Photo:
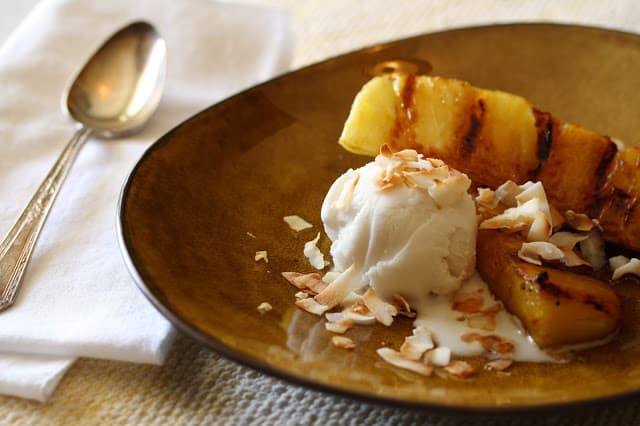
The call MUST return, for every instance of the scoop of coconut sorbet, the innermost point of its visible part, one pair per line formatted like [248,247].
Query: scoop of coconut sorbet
[405,222]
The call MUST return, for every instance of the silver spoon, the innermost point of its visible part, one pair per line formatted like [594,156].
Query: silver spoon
[114,94]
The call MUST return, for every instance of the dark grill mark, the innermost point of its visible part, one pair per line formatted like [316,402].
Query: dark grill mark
[544,129]
[477,116]
[595,304]
[604,163]
[407,99]
[603,191]
[620,200]
[403,134]
[542,279]
[628,211]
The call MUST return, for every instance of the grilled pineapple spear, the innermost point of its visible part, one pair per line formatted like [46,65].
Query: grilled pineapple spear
[494,136]
[556,307]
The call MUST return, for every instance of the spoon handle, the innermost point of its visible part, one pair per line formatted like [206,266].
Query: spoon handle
[16,249]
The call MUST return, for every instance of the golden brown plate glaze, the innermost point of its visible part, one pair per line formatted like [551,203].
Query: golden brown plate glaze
[271,151]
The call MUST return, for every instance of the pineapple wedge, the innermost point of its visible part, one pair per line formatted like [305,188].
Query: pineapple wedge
[556,307]
[494,136]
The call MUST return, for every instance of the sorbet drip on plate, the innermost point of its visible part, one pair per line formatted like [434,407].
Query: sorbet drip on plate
[450,326]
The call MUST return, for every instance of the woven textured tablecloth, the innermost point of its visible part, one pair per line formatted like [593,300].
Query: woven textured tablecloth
[197,386]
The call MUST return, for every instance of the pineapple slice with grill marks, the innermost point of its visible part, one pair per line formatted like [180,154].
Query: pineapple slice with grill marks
[494,136]
[557,307]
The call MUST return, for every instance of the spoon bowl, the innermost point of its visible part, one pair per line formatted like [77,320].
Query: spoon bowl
[115,93]
[120,87]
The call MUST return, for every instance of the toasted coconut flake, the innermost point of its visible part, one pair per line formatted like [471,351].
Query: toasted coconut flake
[540,229]
[440,356]
[330,276]
[490,343]
[313,253]
[297,223]
[383,311]
[556,218]
[470,305]
[493,309]
[567,240]
[337,327]
[342,342]
[572,259]
[409,168]
[498,364]
[251,235]
[507,192]
[407,155]
[486,197]
[617,261]
[344,284]
[534,251]
[456,185]
[264,307]
[335,316]
[528,210]
[403,306]
[592,249]
[292,277]
[262,255]
[351,298]
[360,307]
[312,306]
[578,221]
[348,315]
[416,345]
[631,267]
[460,368]
[337,322]
[483,321]
[535,191]
[308,282]
[397,359]
[514,218]
[301,295]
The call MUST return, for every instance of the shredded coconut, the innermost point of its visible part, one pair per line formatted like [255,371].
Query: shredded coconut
[312,306]
[262,255]
[440,356]
[416,345]
[383,311]
[297,223]
[630,267]
[534,251]
[397,359]
[342,342]
[460,368]
[498,364]
[313,253]
[264,307]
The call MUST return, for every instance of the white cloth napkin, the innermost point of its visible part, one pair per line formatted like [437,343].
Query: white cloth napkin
[77,297]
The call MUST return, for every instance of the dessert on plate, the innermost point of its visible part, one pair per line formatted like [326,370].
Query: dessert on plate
[482,218]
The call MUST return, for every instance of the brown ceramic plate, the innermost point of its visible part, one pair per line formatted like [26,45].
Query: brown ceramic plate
[271,151]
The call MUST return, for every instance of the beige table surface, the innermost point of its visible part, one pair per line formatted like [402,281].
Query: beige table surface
[196,386]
